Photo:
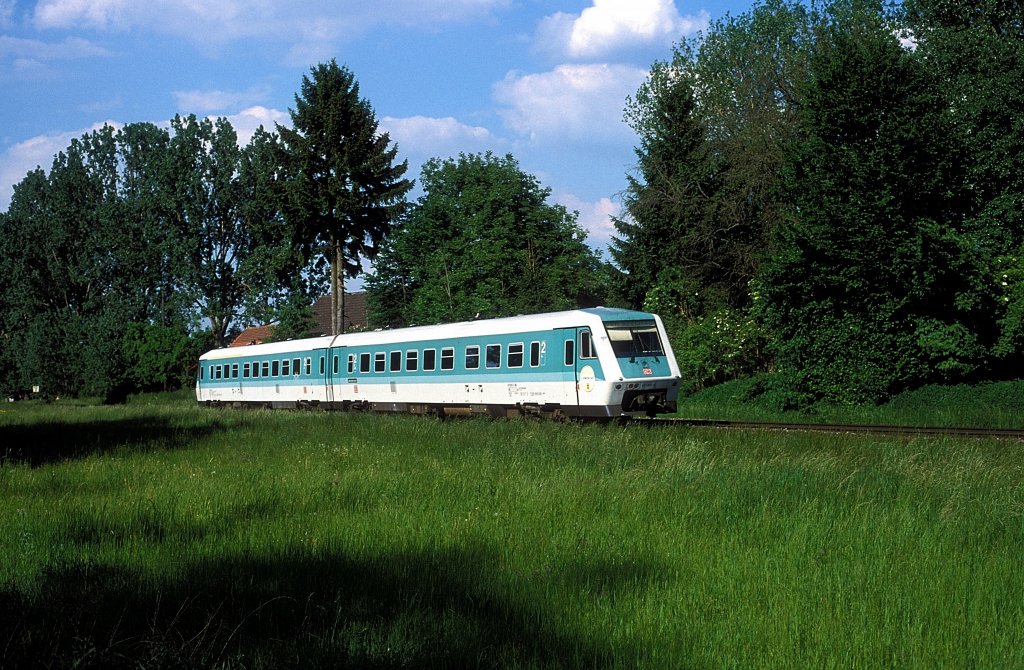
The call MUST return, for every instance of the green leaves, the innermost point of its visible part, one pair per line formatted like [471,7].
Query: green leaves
[343,187]
[870,189]
[482,239]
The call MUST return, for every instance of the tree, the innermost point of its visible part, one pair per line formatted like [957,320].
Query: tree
[133,240]
[744,78]
[345,189]
[482,240]
[873,288]
[977,51]
[273,272]
[67,301]
[670,240]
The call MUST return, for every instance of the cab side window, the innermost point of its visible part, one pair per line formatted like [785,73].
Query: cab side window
[587,345]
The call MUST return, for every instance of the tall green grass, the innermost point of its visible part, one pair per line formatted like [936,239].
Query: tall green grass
[162,535]
[992,405]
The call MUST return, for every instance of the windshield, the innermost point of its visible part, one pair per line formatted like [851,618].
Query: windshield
[634,338]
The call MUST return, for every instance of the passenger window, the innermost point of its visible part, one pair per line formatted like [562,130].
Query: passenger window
[234,370]
[472,357]
[379,360]
[537,354]
[570,352]
[256,370]
[515,355]
[275,368]
[586,345]
[266,368]
[429,359]
[396,361]
[493,356]
[448,358]
[246,369]
[286,368]
[412,360]
[309,366]
[364,362]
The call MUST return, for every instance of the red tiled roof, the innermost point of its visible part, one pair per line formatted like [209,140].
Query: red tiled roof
[253,335]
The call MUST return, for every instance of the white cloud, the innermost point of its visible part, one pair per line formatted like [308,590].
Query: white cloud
[609,26]
[6,12]
[70,48]
[581,103]
[420,138]
[124,14]
[199,102]
[35,152]
[907,39]
[595,217]
[311,25]
[428,136]
[247,121]
[83,14]
[29,59]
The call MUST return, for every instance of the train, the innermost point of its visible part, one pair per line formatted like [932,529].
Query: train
[595,363]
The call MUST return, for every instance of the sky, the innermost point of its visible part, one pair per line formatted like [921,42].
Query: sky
[546,81]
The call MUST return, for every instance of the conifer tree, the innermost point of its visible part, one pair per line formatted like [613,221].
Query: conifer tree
[345,188]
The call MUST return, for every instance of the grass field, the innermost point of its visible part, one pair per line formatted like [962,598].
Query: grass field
[991,405]
[163,535]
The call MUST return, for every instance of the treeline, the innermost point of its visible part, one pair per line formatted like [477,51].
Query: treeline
[136,251]
[144,246]
[827,196]
[833,194]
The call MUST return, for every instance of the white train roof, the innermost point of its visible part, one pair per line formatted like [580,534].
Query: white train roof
[507,325]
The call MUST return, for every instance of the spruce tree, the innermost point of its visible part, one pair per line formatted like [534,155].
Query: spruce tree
[345,188]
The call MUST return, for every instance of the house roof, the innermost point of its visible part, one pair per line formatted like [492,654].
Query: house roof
[253,335]
[355,316]
[355,320]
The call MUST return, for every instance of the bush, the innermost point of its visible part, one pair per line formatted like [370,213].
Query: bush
[726,344]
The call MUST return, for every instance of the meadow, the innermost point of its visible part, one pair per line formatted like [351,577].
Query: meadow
[159,534]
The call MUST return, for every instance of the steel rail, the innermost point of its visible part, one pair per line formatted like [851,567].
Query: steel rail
[867,429]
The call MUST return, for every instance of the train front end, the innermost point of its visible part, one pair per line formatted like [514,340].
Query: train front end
[649,376]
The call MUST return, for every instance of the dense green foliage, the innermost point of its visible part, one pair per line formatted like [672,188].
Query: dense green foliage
[170,536]
[984,405]
[143,246]
[135,240]
[344,188]
[482,240]
[873,287]
[858,198]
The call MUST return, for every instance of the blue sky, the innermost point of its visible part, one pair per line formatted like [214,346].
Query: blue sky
[544,80]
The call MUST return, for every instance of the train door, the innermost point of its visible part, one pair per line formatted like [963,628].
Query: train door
[570,387]
[586,368]
[332,372]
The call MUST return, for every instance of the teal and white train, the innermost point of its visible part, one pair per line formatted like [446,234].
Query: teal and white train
[597,363]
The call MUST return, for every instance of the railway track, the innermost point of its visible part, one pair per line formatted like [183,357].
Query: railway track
[899,431]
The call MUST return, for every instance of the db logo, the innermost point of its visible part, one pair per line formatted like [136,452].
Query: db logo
[648,371]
